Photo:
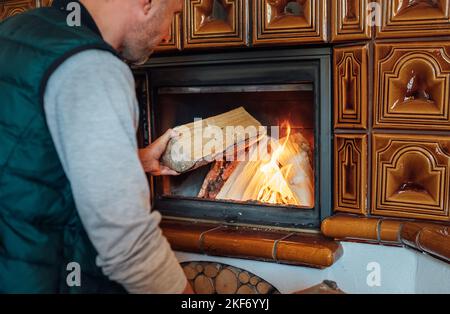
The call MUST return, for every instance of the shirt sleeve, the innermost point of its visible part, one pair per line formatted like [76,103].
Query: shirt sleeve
[91,111]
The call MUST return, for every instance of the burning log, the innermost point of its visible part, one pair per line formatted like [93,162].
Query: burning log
[216,178]
[234,187]
[300,176]
[283,177]
[204,141]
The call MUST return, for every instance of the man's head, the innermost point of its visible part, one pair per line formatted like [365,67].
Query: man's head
[134,27]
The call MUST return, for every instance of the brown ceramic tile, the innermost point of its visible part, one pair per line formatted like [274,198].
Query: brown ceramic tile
[350,173]
[204,30]
[412,85]
[350,227]
[184,236]
[351,86]
[252,243]
[389,230]
[348,20]
[435,241]
[241,242]
[411,176]
[174,42]
[307,249]
[272,24]
[401,18]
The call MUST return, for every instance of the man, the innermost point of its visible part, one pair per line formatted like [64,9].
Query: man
[74,200]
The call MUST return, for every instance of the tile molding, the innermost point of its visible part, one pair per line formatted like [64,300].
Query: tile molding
[283,247]
[426,237]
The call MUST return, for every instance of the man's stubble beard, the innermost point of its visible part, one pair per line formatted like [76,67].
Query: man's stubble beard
[136,49]
[136,55]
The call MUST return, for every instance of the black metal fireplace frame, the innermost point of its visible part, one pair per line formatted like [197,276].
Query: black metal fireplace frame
[285,66]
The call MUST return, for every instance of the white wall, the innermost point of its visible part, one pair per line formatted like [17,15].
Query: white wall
[433,276]
[396,270]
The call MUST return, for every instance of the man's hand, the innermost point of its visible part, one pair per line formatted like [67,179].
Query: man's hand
[151,155]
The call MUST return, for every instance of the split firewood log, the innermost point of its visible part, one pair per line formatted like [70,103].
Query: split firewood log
[211,139]
[289,181]
[241,178]
[300,175]
[216,178]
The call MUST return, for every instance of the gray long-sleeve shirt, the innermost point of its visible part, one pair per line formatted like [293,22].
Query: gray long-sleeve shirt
[92,114]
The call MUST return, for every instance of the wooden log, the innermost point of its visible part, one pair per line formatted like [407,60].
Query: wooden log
[199,268]
[244,277]
[263,287]
[190,272]
[216,178]
[295,160]
[226,282]
[203,285]
[212,270]
[291,183]
[254,280]
[235,270]
[236,185]
[202,142]
[246,289]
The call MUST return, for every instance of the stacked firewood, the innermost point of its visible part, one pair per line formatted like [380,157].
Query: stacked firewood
[215,278]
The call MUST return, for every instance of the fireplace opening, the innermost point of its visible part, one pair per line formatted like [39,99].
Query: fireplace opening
[276,169]
[287,93]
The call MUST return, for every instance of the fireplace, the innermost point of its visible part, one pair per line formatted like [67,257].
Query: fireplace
[287,95]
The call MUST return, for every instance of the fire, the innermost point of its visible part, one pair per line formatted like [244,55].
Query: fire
[283,176]
[275,189]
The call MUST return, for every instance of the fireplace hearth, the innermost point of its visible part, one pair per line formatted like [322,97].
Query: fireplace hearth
[287,92]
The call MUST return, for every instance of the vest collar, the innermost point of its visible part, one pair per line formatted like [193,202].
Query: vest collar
[86,18]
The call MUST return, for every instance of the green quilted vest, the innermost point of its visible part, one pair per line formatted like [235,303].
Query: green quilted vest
[40,230]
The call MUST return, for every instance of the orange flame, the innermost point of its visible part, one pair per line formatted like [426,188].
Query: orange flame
[276,189]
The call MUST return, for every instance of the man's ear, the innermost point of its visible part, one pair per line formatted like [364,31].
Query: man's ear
[145,5]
